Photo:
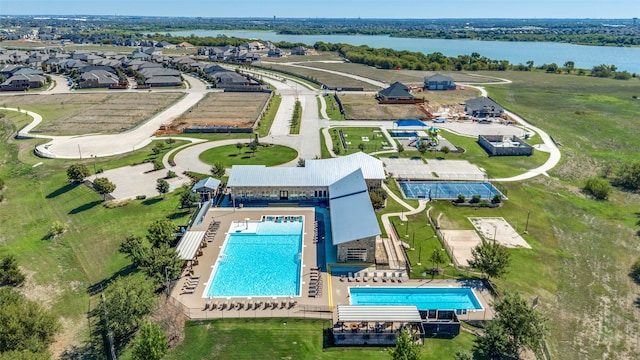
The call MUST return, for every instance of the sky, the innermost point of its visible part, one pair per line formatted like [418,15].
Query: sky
[426,9]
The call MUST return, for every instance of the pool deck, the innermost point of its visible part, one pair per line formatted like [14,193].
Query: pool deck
[334,290]
[193,304]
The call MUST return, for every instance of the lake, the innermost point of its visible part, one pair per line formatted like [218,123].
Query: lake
[515,52]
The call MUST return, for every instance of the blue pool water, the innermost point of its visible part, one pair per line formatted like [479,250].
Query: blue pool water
[422,298]
[447,189]
[400,133]
[265,261]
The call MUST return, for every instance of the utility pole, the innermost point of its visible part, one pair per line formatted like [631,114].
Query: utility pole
[526,227]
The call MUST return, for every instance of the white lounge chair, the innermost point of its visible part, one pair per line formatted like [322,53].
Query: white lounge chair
[399,278]
[393,277]
[365,277]
[375,276]
[350,277]
[384,277]
[357,277]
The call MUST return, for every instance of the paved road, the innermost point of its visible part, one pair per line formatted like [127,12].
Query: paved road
[379,84]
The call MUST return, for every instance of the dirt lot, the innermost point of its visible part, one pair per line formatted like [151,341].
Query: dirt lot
[87,113]
[232,108]
[366,107]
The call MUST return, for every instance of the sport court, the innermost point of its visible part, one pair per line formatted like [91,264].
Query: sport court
[447,190]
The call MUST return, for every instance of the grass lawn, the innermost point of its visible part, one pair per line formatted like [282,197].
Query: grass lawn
[365,139]
[264,125]
[297,339]
[333,111]
[229,155]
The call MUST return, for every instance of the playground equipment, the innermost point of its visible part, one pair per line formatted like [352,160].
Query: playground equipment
[433,137]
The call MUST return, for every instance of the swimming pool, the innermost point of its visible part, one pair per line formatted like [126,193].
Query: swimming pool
[400,133]
[259,259]
[422,298]
[448,189]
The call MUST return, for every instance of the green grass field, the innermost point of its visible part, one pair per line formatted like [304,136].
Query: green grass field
[354,139]
[287,339]
[229,155]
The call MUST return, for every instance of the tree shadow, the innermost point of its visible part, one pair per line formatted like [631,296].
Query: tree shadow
[151,201]
[85,207]
[178,215]
[62,190]
[101,285]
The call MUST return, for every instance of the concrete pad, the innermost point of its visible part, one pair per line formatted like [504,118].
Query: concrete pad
[459,243]
[132,181]
[443,170]
[498,229]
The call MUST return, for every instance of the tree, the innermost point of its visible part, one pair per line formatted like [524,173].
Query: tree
[127,301]
[569,66]
[361,147]
[462,355]
[301,162]
[134,249]
[635,271]
[10,274]
[103,186]
[239,146]
[57,228]
[336,149]
[161,263]
[406,348]
[627,175]
[218,170]
[188,198]
[423,147]
[24,355]
[77,172]
[516,326]
[445,150]
[150,343]
[162,186]
[598,187]
[254,147]
[162,231]
[437,258]
[25,324]
[491,258]
[376,200]
[497,199]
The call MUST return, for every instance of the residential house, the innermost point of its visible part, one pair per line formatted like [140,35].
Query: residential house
[23,82]
[482,108]
[395,92]
[158,81]
[299,50]
[439,82]
[98,79]
[276,52]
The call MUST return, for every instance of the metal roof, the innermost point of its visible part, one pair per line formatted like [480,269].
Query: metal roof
[206,184]
[352,215]
[351,313]
[315,172]
[189,244]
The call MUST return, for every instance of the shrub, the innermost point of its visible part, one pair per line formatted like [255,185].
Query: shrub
[157,165]
[116,204]
[597,187]
[635,271]
[171,174]
[475,199]
[9,272]
[497,199]
[141,197]
[57,228]
[460,199]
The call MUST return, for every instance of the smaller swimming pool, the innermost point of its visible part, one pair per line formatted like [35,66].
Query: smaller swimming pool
[423,298]
[402,134]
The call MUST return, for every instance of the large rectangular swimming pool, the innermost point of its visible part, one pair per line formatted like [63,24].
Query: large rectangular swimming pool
[258,259]
[423,298]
